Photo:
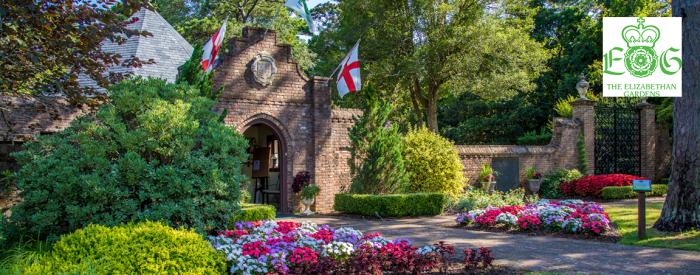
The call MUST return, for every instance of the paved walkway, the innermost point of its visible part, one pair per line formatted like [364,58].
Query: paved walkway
[533,253]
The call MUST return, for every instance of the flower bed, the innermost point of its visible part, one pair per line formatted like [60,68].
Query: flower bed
[592,185]
[568,216]
[305,248]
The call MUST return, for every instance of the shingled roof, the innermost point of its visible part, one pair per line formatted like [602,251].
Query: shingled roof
[166,47]
[23,117]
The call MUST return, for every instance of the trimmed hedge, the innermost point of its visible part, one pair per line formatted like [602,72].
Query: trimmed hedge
[394,205]
[145,248]
[254,212]
[626,192]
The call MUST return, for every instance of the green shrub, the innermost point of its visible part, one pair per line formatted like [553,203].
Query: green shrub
[156,151]
[563,107]
[475,199]
[551,181]
[664,181]
[532,138]
[433,164]
[254,212]
[147,247]
[394,205]
[626,192]
[376,163]
[310,191]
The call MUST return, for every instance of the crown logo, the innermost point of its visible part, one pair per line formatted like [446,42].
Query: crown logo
[640,35]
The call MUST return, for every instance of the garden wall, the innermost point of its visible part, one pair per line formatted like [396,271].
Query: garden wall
[559,153]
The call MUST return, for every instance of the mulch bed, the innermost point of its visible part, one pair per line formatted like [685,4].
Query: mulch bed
[611,236]
[457,268]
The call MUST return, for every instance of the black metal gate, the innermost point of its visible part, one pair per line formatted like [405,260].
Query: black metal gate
[617,140]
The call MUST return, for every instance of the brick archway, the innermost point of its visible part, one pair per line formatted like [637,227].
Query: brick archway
[286,152]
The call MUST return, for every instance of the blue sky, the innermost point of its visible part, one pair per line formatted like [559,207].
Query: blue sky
[313,3]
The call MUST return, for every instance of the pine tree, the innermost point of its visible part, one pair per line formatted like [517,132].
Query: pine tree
[377,164]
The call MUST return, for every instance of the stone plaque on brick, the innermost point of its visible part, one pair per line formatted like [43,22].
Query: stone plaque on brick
[264,68]
[507,177]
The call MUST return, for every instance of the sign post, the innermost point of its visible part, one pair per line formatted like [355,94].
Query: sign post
[641,186]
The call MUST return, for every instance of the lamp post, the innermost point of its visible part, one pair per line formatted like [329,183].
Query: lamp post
[582,87]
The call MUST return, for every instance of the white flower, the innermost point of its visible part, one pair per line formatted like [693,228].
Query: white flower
[338,249]
[426,250]
[506,218]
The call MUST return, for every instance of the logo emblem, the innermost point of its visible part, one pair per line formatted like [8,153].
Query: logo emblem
[640,58]
[263,68]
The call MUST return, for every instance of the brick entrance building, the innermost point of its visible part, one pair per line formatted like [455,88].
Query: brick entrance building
[263,88]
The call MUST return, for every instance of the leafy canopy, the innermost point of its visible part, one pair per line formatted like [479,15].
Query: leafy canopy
[156,151]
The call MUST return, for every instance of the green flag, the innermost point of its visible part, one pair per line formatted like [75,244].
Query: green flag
[301,9]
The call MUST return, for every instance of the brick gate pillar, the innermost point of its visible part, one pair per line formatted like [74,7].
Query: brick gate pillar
[647,139]
[584,110]
[323,171]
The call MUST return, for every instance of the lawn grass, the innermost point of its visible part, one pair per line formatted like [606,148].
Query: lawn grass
[625,217]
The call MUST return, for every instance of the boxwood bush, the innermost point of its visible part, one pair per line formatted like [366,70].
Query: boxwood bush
[254,212]
[156,151]
[551,181]
[145,248]
[393,205]
[433,164]
[626,192]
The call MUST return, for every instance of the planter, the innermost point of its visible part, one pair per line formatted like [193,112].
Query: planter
[534,185]
[488,186]
[307,206]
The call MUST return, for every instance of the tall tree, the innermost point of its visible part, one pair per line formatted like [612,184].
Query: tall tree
[429,48]
[681,210]
[377,164]
[46,44]
[204,17]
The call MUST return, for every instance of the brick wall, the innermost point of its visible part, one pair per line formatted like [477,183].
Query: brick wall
[559,153]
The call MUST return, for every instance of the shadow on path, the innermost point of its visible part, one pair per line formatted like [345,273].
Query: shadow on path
[535,253]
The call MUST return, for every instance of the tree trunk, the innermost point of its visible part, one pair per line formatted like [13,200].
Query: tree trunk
[682,207]
[431,109]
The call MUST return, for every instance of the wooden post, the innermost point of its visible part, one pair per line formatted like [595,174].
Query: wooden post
[641,215]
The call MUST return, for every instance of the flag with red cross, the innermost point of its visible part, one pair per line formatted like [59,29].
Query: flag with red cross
[348,80]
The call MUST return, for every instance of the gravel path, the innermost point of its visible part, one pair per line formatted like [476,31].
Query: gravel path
[534,253]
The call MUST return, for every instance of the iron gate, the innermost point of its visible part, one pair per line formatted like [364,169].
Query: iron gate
[617,140]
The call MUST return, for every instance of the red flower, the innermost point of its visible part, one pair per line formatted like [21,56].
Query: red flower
[255,249]
[528,222]
[592,185]
[285,227]
[325,235]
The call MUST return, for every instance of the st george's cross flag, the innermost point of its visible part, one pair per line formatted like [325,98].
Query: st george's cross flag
[302,10]
[349,80]
[211,49]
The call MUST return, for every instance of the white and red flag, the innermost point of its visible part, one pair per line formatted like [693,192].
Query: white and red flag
[349,80]
[211,49]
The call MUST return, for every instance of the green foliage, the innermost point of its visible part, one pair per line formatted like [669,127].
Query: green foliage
[475,199]
[626,192]
[156,151]
[582,162]
[253,212]
[394,205]
[377,164]
[551,181]
[17,258]
[147,247]
[191,73]
[563,107]
[45,45]
[6,181]
[532,138]
[433,164]
[310,191]
[422,52]
[204,18]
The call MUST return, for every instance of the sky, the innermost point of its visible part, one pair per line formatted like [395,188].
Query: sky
[313,3]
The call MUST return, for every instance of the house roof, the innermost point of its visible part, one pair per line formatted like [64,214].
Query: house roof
[165,46]
[23,117]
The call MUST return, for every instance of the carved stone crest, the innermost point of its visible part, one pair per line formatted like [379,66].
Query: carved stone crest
[263,68]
